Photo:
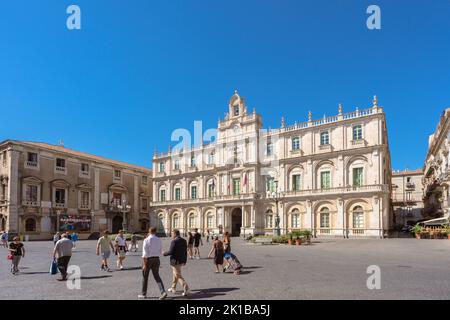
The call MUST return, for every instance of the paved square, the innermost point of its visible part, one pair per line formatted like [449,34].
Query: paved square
[327,269]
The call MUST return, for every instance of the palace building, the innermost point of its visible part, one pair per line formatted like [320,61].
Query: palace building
[46,188]
[331,175]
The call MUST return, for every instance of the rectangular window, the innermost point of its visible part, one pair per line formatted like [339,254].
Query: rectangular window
[32,157]
[325,180]
[358,177]
[117,198]
[324,220]
[177,165]
[295,220]
[162,196]
[193,163]
[84,198]
[84,168]
[32,193]
[4,159]
[209,222]
[324,138]
[194,192]
[177,194]
[211,158]
[357,132]
[60,196]
[358,220]
[60,163]
[144,204]
[269,148]
[296,143]
[296,182]
[117,174]
[269,221]
[270,184]
[144,180]
[162,167]
[408,196]
[236,186]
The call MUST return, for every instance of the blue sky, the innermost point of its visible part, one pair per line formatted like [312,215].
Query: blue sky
[139,69]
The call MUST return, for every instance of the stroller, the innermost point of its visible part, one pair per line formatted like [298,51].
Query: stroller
[233,263]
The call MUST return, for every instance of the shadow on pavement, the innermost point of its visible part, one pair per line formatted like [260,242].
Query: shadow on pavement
[204,293]
[94,277]
[36,272]
[253,267]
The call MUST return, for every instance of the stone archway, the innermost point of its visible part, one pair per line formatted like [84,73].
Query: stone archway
[236,222]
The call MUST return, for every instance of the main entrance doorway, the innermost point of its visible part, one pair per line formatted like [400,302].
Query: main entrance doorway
[236,222]
[117,224]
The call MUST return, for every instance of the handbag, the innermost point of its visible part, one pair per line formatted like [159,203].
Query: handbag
[54,267]
[9,256]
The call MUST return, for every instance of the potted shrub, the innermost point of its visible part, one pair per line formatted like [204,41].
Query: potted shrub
[298,241]
[307,234]
[417,229]
[290,239]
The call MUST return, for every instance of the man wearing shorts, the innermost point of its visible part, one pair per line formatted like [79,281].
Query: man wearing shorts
[104,245]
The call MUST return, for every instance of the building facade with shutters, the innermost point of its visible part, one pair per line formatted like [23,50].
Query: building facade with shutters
[330,175]
[46,188]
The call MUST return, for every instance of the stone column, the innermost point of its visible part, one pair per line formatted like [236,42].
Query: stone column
[340,219]
[96,189]
[13,193]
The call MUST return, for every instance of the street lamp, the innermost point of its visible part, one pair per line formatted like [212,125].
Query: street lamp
[124,209]
[277,196]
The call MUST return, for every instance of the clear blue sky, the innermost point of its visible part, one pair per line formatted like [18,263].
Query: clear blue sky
[139,69]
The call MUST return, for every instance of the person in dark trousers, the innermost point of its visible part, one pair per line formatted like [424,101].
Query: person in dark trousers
[178,258]
[18,251]
[151,251]
[207,236]
[63,249]
[190,245]
[197,242]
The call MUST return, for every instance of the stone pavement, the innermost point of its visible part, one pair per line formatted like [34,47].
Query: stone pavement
[327,269]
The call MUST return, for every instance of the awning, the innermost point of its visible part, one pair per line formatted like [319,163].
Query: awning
[435,222]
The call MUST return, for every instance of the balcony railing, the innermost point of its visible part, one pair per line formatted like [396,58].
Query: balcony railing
[33,164]
[84,206]
[31,203]
[325,147]
[60,169]
[338,190]
[359,142]
[243,196]
[59,205]
[410,185]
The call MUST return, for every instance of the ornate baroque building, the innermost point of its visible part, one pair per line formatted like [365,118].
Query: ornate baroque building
[436,180]
[330,175]
[45,188]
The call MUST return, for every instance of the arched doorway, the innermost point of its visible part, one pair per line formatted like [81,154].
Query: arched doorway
[117,224]
[236,222]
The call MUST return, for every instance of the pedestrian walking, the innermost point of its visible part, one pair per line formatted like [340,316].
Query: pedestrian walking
[227,242]
[151,251]
[134,245]
[4,239]
[207,236]
[197,242]
[56,238]
[178,258]
[218,250]
[190,247]
[121,249]
[63,249]
[74,240]
[17,250]
[104,244]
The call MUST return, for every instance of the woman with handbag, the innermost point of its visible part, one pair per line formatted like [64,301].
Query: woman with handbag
[17,251]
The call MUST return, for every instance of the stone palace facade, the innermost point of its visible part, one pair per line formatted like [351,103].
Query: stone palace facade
[330,175]
[45,188]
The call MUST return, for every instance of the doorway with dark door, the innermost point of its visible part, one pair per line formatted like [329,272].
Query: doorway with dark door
[236,222]
[117,224]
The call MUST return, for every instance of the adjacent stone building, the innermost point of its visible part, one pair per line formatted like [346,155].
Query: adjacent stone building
[45,188]
[331,175]
[436,180]
[407,197]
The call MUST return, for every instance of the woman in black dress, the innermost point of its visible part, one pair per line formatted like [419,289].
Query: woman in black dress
[219,251]
[190,246]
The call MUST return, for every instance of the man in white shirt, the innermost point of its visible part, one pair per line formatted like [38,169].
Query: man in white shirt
[151,251]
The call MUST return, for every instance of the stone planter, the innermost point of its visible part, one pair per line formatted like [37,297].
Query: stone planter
[418,236]
[290,242]
[298,242]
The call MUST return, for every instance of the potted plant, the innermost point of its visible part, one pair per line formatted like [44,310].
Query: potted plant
[298,241]
[417,229]
[307,234]
[290,239]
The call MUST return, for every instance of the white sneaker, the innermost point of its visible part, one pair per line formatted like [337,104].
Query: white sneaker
[163,296]
[141,296]
[186,293]
[173,290]
[121,267]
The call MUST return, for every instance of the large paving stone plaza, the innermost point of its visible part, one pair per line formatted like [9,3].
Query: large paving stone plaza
[327,269]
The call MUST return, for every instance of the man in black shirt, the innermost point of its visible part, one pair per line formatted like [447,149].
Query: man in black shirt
[197,242]
[178,258]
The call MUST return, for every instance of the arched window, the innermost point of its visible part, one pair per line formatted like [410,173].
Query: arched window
[160,223]
[175,220]
[269,219]
[30,225]
[191,220]
[295,219]
[358,217]
[324,218]
[210,220]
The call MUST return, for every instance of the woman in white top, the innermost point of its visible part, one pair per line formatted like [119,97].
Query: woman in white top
[121,249]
